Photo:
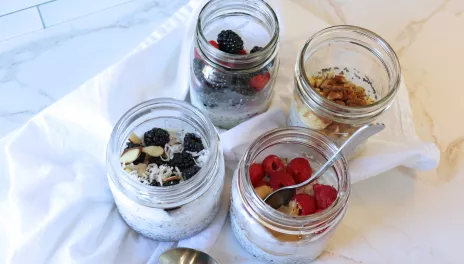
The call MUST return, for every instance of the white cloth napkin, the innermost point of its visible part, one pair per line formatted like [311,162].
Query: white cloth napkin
[59,207]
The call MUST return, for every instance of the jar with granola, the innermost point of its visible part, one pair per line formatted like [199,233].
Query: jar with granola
[345,77]
[234,60]
[297,232]
[165,169]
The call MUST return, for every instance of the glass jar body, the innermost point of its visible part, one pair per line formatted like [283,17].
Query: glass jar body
[167,213]
[232,88]
[364,59]
[271,236]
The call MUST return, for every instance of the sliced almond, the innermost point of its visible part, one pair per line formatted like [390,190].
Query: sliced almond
[172,178]
[141,168]
[135,139]
[263,191]
[154,151]
[130,155]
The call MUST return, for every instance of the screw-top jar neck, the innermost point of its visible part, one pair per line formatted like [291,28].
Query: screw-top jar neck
[348,43]
[163,111]
[257,11]
[274,219]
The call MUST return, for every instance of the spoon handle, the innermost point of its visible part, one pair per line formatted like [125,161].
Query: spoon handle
[346,148]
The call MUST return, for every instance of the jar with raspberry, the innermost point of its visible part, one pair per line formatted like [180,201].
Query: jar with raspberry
[297,232]
[234,60]
[345,77]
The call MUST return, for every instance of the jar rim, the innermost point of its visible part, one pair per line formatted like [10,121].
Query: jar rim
[330,109]
[279,221]
[240,62]
[159,196]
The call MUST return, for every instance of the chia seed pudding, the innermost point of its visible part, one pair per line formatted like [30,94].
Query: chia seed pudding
[233,67]
[168,178]
[297,232]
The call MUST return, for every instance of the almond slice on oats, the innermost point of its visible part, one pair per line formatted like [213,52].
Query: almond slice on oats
[130,155]
[141,168]
[171,178]
[154,151]
[134,138]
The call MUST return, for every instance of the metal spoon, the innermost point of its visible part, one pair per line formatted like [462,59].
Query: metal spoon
[185,256]
[283,195]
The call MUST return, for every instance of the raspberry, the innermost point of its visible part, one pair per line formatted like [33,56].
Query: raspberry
[280,179]
[272,163]
[156,137]
[259,81]
[182,160]
[306,203]
[242,52]
[325,195]
[230,42]
[255,49]
[300,169]
[261,183]
[214,44]
[193,143]
[256,174]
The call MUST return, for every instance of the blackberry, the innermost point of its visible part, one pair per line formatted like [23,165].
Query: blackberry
[198,66]
[158,161]
[256,49]
[170,183]
[182,160]
[189,172]
[193,143]
[218,80]
[156,137]
[230,42]
[241,85]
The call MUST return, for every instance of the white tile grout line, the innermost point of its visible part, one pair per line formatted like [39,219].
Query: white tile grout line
[41,19]
[19,10]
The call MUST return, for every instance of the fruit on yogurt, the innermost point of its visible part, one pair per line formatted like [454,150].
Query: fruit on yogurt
[279,179]
[162,158]
[306,203]
[256,174]
[325,195]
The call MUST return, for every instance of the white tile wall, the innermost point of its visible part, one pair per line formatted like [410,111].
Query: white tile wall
[20,23]
[63,10]
[10,6]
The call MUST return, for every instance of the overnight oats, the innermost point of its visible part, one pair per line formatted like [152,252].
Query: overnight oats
[234,60]
[299,231]
[345,77]
[165,169]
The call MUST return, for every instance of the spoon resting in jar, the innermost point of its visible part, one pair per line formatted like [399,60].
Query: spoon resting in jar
[283,195]
[185,256]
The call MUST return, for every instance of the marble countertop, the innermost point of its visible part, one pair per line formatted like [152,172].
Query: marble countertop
[413,218]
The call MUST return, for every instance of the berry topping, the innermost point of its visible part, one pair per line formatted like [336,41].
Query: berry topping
[156,137]
[182,160]
[230,42]
[272,163]
[306,203]
[280,179]
[259,81]
[325,195]
[214,44]
[189,172]
[256,174]
[255,49]
[300,169]
[193,143]
[242,52]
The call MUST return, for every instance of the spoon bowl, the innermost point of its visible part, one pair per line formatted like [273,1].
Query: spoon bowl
[185,256]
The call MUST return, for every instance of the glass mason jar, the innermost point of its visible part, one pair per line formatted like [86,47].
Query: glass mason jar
[257,226]
[168,213]
[231,88]
[364,59]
